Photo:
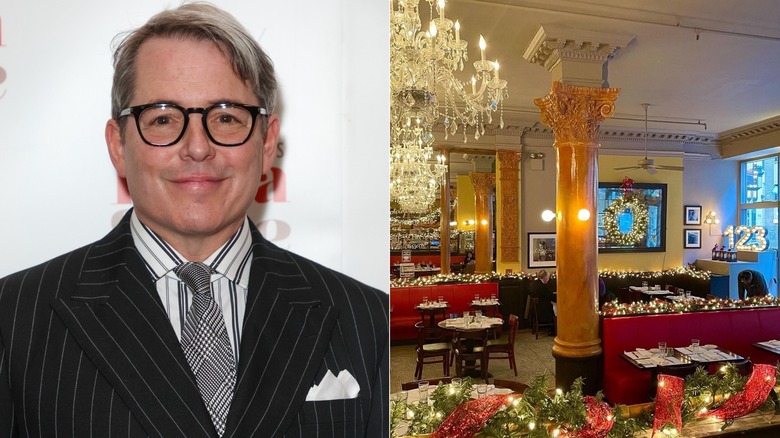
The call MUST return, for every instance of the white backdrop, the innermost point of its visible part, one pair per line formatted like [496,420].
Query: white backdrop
[329,202]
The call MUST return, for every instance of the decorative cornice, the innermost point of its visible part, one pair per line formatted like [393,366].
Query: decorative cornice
[768,126]
[553,43]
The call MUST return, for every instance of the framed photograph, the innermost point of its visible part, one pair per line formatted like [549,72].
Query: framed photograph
[541,250]
[692,215]
[692,238]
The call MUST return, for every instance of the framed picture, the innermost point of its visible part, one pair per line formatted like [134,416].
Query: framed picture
[692,238]
[541,250]
[692,215]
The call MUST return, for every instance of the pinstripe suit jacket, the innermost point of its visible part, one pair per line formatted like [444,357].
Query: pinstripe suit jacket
[86,349]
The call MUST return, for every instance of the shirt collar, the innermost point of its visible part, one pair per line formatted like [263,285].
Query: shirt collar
[231,260]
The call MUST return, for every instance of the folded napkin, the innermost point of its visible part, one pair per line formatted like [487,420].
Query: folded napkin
[334,388]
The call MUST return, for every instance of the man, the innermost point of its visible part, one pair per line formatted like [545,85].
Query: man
[751,284]
[184,321]
[543,289]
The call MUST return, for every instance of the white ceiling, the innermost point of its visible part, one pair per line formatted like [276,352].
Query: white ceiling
[726,79]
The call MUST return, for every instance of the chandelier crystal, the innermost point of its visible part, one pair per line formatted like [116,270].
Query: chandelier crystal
[424,88]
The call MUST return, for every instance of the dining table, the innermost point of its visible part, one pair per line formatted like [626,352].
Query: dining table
[772,346]
[470,324]
[488,306]
[429,310]
[704,355]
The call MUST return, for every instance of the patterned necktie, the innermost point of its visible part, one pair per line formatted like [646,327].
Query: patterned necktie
[205,342]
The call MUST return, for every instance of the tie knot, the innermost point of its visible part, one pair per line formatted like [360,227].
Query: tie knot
[196,275]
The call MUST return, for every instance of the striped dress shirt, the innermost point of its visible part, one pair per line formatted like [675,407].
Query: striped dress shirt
[230,264]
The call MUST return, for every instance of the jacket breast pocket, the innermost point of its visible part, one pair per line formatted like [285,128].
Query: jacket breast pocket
[331,418]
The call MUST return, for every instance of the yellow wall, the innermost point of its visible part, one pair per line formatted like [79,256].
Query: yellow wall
[466,202]
[649,261]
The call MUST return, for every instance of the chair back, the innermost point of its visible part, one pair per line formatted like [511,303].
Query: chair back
[478,338]
[427,334]
[407,386]
[516,387]
[514,323]
[623,296]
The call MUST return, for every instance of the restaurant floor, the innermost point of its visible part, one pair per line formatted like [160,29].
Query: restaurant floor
[533,358]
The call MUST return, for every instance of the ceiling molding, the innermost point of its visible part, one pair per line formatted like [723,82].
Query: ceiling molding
[767,126]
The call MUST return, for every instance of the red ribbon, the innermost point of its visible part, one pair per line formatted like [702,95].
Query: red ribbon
[627,185]
[668,402]
[753,395]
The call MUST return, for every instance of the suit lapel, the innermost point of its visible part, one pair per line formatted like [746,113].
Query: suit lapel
[286,332]
[116,317]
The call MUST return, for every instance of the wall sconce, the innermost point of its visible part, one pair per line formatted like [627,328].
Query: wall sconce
[712,219]
[454,223]
[583,214]
[548,215]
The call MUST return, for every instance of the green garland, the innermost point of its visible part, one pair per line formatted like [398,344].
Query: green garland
[539,410]
[638,228]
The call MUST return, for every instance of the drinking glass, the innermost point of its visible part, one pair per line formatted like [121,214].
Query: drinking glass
[481,390]
[662,348]
[644,284]
[695,344]
[441,299]
[425,301]
[423,388]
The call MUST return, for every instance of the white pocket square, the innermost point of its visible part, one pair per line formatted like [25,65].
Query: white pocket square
[334,388]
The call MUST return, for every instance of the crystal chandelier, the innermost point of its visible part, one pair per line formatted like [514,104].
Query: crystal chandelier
[423,87]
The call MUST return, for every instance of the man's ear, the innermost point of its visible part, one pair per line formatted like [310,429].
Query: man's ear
[116,147]
[270,143]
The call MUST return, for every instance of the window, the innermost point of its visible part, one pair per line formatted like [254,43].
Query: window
[631,220]
[758,196]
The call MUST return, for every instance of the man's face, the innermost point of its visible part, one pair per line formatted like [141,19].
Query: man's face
[194,193]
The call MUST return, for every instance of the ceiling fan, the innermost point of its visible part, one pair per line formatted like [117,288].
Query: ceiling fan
[648,163]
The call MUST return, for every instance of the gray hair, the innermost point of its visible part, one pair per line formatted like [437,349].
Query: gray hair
[201,22]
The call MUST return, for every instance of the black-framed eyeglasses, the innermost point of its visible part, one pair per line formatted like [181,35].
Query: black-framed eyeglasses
[164,124]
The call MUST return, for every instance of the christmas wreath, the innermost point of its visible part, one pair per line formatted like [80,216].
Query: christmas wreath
[638,227]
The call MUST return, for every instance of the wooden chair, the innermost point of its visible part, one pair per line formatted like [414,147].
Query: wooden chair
[431,352]
[516,387]
[623,295]
[535,324]
[470,352]
[634,296]
[504,348]
[407,386]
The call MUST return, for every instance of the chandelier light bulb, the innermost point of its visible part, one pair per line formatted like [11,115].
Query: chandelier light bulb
[495,69]
[457,31]
[482,46]
[548,215]
[433,29]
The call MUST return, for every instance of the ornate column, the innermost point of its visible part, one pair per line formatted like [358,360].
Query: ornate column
[508,217]
[483,240]
[574,113]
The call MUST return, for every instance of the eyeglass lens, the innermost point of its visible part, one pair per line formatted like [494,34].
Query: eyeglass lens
[226,124]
